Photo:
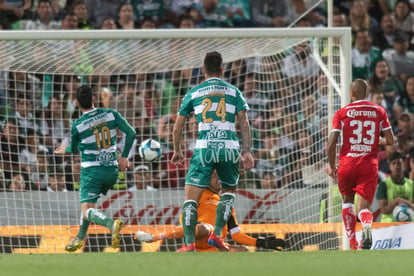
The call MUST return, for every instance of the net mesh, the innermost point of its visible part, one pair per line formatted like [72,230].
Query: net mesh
[292,85]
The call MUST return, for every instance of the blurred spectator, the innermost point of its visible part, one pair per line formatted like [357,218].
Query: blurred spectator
[399,59]
[383,157]
[126,18]
[404,18]
[384,38]
[310,162]
[254,98]
[390,86]
[11,146]
[360,19]
[155,9]
[405,103]
[56,123]
[98,10]
[235,72]
[309,115]
[24,113]
[237,11]
[148,23]
[56,181]
[213,17]
[364,55]
[40,176]
[17,183]
[28,155]
[377,97]
[142,179]
[81,10]
[12,11]
[108,24]
[268,181]
[194,11]
[72,172]
[274,13]
[43,18]
[404,131]
[70,21]
[300,67]
[128,102]
[339,20]
[186,22]
[395,189]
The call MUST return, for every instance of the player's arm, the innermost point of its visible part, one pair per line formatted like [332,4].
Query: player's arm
[244,126]
[178,157]
[332,141]
[73,145]
[270,242]
[129,131]
[388,139]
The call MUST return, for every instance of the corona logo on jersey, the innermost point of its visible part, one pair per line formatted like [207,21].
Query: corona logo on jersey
[352,113]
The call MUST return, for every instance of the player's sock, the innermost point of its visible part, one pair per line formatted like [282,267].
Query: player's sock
[189,219]
[349,219]
[100,218]
[83,228]
[223,212]
[365,216]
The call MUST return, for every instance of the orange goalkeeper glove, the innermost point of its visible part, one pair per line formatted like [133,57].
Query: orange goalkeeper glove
[271,243]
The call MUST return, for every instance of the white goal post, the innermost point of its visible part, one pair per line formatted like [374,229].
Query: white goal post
[293,79]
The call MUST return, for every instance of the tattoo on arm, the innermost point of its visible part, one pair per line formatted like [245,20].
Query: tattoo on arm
[245,132]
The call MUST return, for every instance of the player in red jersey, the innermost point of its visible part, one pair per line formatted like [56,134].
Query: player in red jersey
[361,123]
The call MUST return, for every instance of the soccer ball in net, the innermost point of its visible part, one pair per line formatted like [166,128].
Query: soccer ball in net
[402,213]
[150,150]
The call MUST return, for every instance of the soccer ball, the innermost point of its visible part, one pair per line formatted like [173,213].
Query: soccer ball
[150,150]
[402,213]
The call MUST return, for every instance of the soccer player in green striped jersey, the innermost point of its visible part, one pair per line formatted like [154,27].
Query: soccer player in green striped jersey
[94,135]
[217,105]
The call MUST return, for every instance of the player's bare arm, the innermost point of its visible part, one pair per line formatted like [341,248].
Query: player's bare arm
[178,156]
[246,156]
[123,164]
[332,141]
[388,139]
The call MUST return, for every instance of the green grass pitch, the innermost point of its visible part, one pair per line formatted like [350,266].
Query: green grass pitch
[350,263]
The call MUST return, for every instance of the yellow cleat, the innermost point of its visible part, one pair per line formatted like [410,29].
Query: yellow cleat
[116,228]
[74,245]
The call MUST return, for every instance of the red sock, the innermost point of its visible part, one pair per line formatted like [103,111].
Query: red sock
[365,216]
[349,219]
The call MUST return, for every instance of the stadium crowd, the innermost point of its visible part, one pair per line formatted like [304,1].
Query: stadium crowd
[36,110]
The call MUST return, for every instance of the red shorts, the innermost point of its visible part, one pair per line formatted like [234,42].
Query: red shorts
[361,179]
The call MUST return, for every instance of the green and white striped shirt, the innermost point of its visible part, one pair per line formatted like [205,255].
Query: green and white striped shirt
[94,134]
[215,104]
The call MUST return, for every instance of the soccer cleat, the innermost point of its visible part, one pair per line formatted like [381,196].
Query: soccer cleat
[116,228]
[366,241]
[74,245]
[144,236]
[215,241]
[187,248]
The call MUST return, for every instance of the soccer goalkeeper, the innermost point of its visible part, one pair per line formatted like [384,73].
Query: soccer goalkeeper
[207,216]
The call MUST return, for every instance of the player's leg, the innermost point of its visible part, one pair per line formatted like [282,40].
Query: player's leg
[197,179]
[190,214]
[365,194]
[228,173]
[345,185]
[94,182]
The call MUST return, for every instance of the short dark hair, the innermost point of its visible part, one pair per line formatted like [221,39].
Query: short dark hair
[213,62]
[394,156]
[84,96]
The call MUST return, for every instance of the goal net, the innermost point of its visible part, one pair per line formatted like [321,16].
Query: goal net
[292,79]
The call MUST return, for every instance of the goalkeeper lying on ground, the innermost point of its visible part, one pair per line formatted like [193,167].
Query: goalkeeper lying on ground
[207,217]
